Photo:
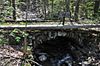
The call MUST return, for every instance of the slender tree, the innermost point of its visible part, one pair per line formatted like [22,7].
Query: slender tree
[67,5]
[45,9]
[96,6]
[68,12]
[14,11]
[77,2]
[52,7]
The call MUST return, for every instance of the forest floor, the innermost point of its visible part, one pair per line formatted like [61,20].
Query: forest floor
[10,56]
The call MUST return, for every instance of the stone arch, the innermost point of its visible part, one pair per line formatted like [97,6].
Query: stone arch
[48,35]
[67,42]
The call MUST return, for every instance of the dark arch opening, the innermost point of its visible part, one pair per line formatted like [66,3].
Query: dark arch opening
[59,45]
[57,48]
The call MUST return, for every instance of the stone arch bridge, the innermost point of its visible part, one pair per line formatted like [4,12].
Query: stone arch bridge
[81,40]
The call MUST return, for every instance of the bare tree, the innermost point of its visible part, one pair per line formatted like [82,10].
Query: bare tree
[52,7]
[14,10]
[45,2]
[77,2]
[68,12]
[67,5]
[96,6]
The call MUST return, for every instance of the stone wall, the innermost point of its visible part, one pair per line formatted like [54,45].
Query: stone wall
[87,42]
[79,35]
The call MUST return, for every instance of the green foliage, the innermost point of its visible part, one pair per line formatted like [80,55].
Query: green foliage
[53,7]
[6,10]
[58,5]
[18,34]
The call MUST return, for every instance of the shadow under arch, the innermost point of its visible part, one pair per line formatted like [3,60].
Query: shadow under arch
[60,45]
[57,48]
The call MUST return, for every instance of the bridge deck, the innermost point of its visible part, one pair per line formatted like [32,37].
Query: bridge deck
[54,27]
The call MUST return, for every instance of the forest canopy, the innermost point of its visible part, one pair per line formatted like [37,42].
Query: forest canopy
[74,10]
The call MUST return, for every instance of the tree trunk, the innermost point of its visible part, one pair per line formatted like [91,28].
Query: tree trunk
[14,11]
[52,7]
[45,5]
[67,5]
[96,6]
[77,2]
[68,12]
